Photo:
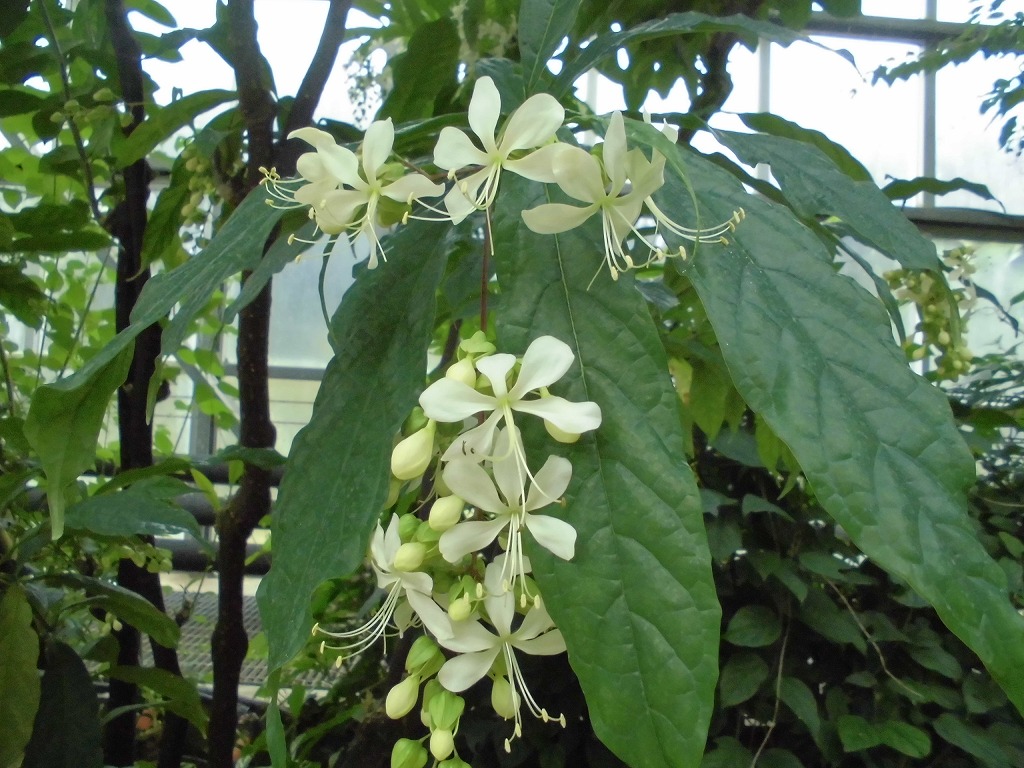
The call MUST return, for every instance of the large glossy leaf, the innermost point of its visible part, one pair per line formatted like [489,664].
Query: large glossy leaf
[65,417]
[337,475]
[19,679]
[637,603]
[542,25]
[812,353]
[67,725]
[814,185]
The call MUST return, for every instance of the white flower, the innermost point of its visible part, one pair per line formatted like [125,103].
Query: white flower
[345,190]
[545,362]
[530,126]
[479,647]
[603,186]
[512,508]
[414,586]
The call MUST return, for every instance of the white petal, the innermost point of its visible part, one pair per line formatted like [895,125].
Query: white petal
[310,167]
[377,143]
[532,124]
[412,187]
[566,415]
[578,173]
[548,644]
[556,536]
[476,443]
[508,474]
[484,109]
[434,619]
[549,483]
[314,193]
[456,201]
[538,165]
[313,136]
[501,609]
[554,218]
[459,673]
[455,150]
[496,368]
[470,482]
[341,205]
[614,152]
[342,164]
[470,536]
[450,400]
[536,622]
[546,360]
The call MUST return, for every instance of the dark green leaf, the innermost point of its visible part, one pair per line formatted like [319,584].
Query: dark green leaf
[181,696]
[795,694]
[21,296]
[779,758]
[265,458]
[542,25]
[67,726]
[18,102]
[856,733]
[813,354]
[972,740]
[753,626]
[64,419]
[742,676]
[19,679]
[647,573]
[728,753]
[903,189]
[337,474]
[936,659]
[764,122]
[828,620]
[508,79]
[426,68]
[814,185]
[147,507]
[905,738]
[124,604]
[161,122]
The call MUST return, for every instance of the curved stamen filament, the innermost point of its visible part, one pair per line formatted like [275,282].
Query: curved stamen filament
[369,632]
[518,683]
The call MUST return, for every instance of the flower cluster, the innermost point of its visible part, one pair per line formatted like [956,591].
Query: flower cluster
[355,195]
[456,565]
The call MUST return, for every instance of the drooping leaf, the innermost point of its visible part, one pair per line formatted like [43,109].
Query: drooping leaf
[162,122]
[19,679]
[765,122]
[641,570]
[812,353]
[542,25]
[147,507]
[337,474]
[905,738]
[67,725]
[972,740]
[181,696]
[123,603]
[903,189]
[814,185]
[742,677]
[795,694]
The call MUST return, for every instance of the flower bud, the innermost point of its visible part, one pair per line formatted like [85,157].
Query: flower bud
[462,371]
[445,512]
[394,491]
[503,698]
[445,710]
[103,94]
[407,527]
[408,753]
[461,609]
[455,762]
[423,651]
[411,456]
[442,743]
[477,344]
[402,698]
[409,556]
[430,690]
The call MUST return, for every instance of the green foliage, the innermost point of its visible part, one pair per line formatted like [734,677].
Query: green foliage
[18,677]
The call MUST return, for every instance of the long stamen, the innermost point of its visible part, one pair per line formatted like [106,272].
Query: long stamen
[369,632]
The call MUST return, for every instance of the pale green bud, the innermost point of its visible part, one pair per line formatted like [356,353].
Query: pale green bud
[407,527]
[423,651]
[71,106]
[560,435]
[410,556]
[445,512]
[411,456]
[402,698]
[408,753]
[103,94]
[445,710]
[503,698]
[477,344]
[944,338]
[426,535]
[442,743]
[394,491]
[462,371]
[461,609]
[430,690]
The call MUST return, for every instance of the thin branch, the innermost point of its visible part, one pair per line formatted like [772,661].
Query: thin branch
[778,699]
[870,639]
[8,381]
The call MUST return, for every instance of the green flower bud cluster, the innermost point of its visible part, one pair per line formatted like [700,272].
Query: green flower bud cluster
[942,310]
[201,185]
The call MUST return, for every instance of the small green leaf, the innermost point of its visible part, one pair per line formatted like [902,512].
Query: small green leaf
[181,696]
[972,740]
[67,725]
[753,626]
[857,734]
[742,676]
[19,679]
[795,694]
[728,753]
[828,620]
[337,474]
[123,603]
[905,738]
